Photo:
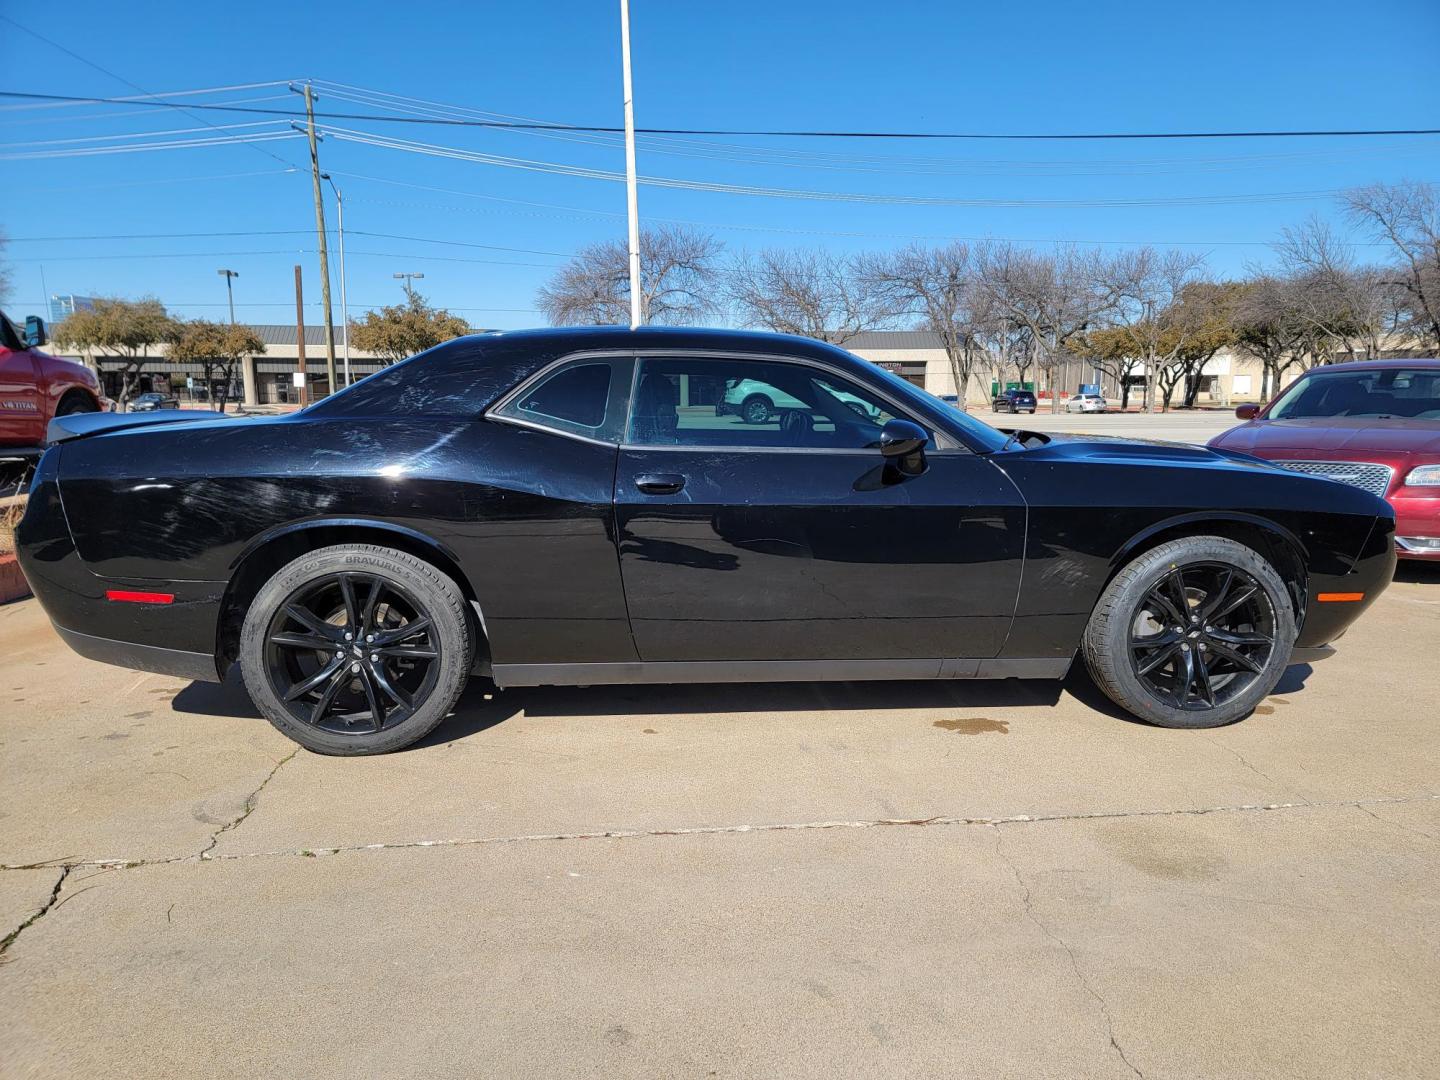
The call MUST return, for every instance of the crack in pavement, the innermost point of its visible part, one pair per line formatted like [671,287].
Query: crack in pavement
[1246,762]
[44,910]
[1394,824]
[1085,983]
[715,830]
[251,801]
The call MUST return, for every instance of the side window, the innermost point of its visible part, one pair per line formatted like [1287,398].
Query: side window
[752,403]
[585,397]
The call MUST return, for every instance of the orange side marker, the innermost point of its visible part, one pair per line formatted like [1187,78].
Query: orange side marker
[1339,597]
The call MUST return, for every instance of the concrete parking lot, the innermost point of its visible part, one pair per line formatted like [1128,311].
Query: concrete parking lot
[969,879]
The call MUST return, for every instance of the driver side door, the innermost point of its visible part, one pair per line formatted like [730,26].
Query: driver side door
[788,539]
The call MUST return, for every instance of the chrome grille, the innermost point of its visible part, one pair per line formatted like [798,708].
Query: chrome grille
[1368,475]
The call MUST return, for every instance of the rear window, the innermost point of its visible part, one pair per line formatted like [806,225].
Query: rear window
[457,379]
[584,397]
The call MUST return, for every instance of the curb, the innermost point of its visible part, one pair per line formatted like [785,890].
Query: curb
[13,585]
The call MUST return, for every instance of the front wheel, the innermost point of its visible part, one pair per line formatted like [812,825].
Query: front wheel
[1192,634]
[76,402]
[356,649]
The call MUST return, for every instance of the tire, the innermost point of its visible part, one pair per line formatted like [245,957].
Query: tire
[422,672]
[757,409]
[74,402]
[1124,634]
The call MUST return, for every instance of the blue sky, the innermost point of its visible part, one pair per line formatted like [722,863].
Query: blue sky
[1045,66]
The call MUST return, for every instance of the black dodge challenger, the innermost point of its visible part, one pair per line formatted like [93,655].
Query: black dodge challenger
[574,507]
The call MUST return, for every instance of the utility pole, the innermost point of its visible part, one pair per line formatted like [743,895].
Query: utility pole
[230,276]
[320,236]
[632,199]
[344,303]
[300,338]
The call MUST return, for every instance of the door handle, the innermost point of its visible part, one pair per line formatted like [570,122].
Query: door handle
[660,483]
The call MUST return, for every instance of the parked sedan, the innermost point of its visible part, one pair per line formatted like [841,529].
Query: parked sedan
[1086,403]
[1374,425]
[1014,401]
[152,401]
[554,507]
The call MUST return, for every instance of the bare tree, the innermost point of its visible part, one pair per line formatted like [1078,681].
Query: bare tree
[1407,216]
[1055,296]
[937,285]
[678,281]
[1343,303]
[809,292]
[5,278]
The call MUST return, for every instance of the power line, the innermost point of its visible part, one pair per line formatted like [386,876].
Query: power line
[747,132]
[281,232]
[120,78]
[276,251]
[554,168]
[47,189]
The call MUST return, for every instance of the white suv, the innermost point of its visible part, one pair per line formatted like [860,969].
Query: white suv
[756,402]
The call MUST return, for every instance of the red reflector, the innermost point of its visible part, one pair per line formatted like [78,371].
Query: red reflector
[139,597]
[1339,597]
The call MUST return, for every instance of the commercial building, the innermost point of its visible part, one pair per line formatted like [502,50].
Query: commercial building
[62,306]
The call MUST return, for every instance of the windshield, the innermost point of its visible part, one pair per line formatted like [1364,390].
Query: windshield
[1376,394]
[984,436]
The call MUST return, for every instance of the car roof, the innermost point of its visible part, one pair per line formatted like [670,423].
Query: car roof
[577,338]
[1380,365]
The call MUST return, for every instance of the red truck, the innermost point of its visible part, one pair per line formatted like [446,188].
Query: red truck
[36,387]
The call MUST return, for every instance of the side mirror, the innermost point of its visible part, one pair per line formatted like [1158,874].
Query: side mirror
[902,444]
[35,335]
[899,438]
[1247,412]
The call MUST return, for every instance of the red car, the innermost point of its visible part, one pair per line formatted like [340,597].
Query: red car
[35,387]
[1373,424]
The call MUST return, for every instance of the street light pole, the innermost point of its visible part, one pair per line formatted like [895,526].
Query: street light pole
[344,303]
[230,276]
[409,285]
[632,199]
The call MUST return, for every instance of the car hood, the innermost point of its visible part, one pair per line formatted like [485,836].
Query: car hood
[1124,449]
[1334,433]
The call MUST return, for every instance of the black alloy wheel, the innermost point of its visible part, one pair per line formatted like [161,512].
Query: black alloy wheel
[351,653]
[1193,633]
[357,649]
[1204,633]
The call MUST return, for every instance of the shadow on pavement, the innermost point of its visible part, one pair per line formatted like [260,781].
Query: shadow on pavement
[483,707]
[1413,571]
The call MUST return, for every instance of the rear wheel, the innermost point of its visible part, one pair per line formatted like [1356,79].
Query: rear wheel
[756,409]
[1192,634]
[356,649]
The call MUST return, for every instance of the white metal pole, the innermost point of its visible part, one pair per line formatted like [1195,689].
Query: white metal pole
[631,197]
[344,303]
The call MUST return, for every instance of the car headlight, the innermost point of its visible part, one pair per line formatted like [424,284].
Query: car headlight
[1424,476]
